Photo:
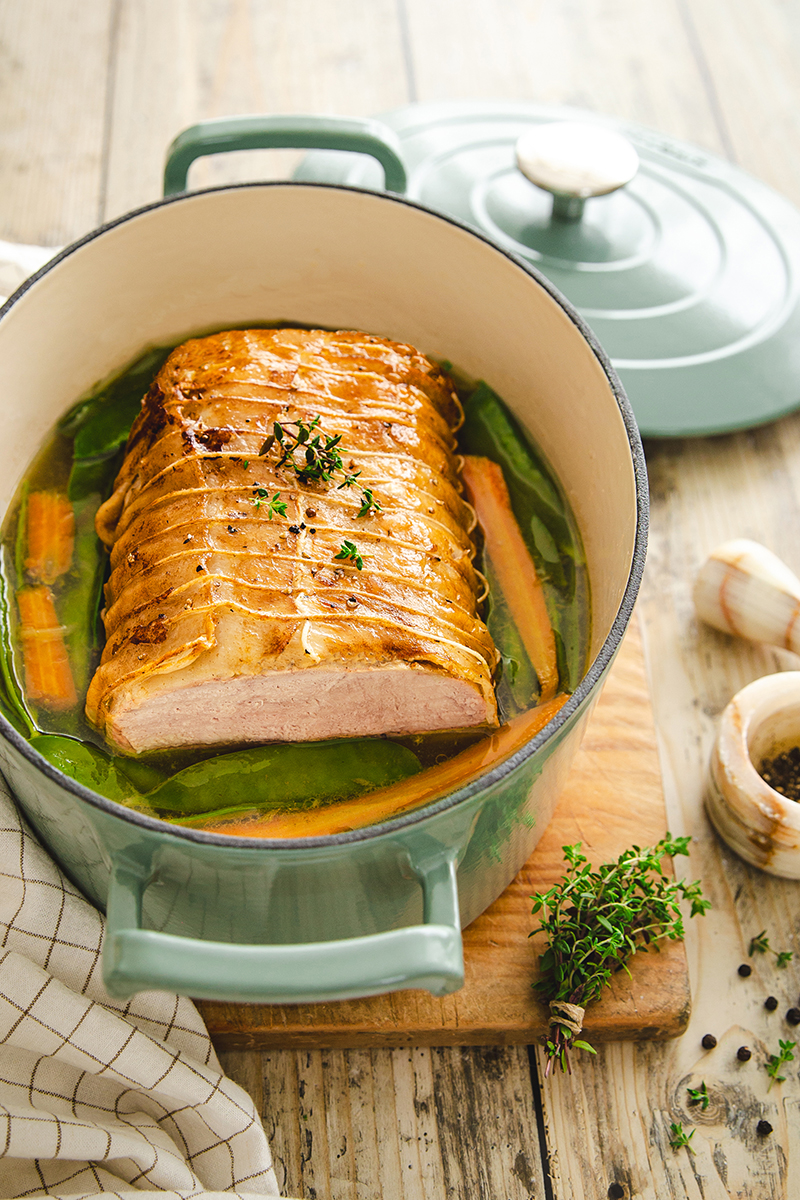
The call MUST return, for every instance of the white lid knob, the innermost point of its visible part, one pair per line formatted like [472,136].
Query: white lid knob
[576,160]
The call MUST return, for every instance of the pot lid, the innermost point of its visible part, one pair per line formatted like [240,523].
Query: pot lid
[686,270]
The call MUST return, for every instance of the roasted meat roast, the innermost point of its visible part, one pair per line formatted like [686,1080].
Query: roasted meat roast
[290,553]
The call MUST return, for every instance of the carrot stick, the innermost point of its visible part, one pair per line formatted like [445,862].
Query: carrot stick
[513,567]
[48,675]
[51,536]
[389,801]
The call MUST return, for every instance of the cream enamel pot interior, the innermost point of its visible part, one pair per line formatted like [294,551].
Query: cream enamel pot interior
[379,908]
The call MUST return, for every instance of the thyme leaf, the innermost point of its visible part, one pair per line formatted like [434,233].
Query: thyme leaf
[349,552]
[595,920]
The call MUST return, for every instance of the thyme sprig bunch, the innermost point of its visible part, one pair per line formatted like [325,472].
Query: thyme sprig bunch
[595,920]
[315,457]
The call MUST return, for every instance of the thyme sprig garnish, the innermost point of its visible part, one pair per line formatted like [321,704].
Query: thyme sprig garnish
[275,506]
[699,1095]
[760,945]
[595,920]
[350,553]
[311,454]
[315,457]
[776,1061]
[678,1136]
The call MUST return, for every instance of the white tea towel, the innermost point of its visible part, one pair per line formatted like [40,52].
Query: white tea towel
[100,1097]
[18,261]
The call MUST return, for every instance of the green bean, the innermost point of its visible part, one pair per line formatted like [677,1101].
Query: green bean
[518,686]
[80,594]
[20,540]
[15,707]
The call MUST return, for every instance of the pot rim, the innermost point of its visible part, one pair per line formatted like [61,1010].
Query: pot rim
[564,716]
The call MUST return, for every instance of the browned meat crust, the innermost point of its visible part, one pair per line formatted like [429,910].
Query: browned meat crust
[225,624]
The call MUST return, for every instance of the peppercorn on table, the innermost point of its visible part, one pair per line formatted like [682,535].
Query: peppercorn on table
[93,95]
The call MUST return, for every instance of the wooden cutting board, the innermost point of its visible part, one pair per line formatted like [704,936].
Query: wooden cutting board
[613,799]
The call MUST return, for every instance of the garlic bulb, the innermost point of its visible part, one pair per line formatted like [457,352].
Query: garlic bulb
[746,590]
[758,823]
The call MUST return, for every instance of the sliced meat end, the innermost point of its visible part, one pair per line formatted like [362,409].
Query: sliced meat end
[303,705]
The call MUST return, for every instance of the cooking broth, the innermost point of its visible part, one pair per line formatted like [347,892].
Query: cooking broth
[80,461]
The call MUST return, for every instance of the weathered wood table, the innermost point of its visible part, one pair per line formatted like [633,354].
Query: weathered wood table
[91,93]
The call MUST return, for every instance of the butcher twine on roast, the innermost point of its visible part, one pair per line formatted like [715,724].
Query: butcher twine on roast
[249,601]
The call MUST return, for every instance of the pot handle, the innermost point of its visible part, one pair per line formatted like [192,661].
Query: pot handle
[360,134]
[427,956]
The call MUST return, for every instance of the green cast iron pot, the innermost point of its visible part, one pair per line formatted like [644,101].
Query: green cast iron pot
[375,909]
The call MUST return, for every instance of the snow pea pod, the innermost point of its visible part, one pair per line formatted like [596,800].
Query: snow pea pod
[100,424]
[216,818]
[490,430]
[108,428]
[544,520]
[93,477]
[85,764]
[297,775]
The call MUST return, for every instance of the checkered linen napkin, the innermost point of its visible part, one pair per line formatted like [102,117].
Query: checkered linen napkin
[99,1098]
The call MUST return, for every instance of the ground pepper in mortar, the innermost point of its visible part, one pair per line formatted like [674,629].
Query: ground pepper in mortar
[783,773]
